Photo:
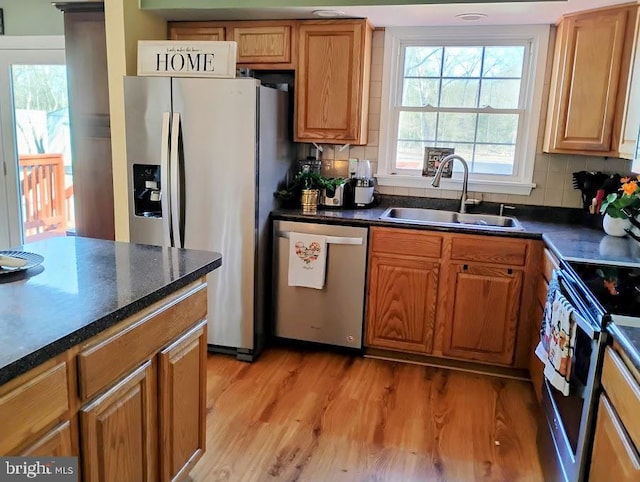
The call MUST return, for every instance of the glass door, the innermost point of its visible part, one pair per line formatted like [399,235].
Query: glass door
[36,193]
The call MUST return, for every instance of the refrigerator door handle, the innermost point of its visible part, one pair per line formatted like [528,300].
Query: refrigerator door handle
[165,201]
[175,181]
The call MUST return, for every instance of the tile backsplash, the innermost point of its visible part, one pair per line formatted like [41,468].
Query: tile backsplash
[552,172]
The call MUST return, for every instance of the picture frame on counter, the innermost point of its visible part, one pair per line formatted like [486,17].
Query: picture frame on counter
[187,58]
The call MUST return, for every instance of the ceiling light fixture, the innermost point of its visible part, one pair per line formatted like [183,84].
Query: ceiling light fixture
[471,17]
[328,13]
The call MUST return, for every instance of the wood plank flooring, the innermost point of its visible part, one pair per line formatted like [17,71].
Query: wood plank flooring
[307,416]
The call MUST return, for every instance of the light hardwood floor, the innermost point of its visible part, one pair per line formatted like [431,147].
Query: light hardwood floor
[306,416]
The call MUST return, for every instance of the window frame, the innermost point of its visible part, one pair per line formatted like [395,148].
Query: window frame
[396,38]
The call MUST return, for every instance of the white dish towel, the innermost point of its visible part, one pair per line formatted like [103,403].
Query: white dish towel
[558,338]
[307,260]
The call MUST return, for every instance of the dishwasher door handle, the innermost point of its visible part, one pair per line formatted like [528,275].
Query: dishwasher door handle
[330,239]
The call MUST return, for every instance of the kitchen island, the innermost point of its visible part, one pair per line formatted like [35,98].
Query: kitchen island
[103,345]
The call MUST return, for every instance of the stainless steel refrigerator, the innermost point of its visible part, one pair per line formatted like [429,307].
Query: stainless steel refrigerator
[204,158]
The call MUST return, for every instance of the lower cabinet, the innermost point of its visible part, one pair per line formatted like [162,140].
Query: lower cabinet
[614,456]
[130,402]
[454,295]
[57,442]
[616,441]
[182,403]
[118,430]
[482,317]
[402,302]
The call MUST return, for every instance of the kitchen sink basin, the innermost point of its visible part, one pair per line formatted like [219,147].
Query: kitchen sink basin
[438,217]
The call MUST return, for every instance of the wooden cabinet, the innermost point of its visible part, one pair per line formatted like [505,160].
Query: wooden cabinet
[182,403]
[453,295]
[482,316]
[589,82]
[402,302]
[132,397]
[332,81]
[118,431]
[331,60]
[196,31]
[58,442]
[617,434]
[404,267]
[266,44]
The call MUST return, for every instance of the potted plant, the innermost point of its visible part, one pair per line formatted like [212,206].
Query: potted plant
[306,186]
[619,208]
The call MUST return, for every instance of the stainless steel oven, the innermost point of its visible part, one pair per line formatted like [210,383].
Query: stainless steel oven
[566,432]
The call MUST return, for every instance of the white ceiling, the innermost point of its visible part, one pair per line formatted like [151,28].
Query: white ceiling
[512,13]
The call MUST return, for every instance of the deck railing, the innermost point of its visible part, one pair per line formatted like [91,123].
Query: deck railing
[46,203]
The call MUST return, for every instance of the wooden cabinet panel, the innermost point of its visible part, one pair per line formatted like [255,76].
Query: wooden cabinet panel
[263,42]
[487,250]
[111,357]
[403,241]
[623,391]
[332,81]
[33,406]
[482,318]
[119,434]
[589,79]
[195,31]
[613,456]
[58,442]
[402,303]
[182,403]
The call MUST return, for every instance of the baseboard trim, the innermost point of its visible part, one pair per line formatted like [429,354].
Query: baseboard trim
[449,363]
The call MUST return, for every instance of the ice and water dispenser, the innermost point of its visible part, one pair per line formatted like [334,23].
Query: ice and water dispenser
[147,191]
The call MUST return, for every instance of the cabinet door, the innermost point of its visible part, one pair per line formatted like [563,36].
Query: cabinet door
[332,82]
[482,314]
[614,456]
[182,389]
[590,71]
[263,42]
[401,306]
[57,442]
[196,31]
[118,431]
[631,121]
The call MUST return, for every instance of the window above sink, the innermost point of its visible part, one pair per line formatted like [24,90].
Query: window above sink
[476,89]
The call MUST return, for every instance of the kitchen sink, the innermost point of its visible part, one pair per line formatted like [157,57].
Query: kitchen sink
[438,218]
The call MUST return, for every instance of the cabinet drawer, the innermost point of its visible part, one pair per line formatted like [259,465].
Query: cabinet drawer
[623,391]
[32,406]
[406,242]
[110,358]
[488,250]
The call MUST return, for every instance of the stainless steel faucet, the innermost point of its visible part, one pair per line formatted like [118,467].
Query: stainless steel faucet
[465,179]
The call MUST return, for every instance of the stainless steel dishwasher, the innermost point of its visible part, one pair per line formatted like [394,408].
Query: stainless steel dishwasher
[334,314]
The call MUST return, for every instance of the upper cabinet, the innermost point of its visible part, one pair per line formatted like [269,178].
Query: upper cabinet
[262,45]
[589,100]
[331,60]
[332,81]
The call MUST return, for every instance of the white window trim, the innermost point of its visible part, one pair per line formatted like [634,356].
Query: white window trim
[537,35]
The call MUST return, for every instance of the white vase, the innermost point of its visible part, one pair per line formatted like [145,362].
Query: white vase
[615,226]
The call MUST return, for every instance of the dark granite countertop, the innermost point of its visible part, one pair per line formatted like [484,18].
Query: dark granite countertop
[570,233]
[82,287]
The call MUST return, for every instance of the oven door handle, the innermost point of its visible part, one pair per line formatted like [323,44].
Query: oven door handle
[582,322]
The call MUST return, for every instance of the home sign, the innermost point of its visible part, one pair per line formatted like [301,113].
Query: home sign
[187,58]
